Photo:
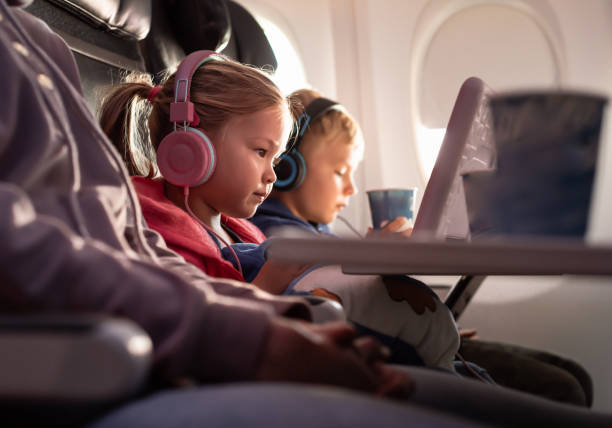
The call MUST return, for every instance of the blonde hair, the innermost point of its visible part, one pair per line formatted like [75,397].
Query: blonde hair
[219,91]
[332,125]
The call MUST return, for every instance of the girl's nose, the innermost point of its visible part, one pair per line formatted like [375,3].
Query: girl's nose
[269,175]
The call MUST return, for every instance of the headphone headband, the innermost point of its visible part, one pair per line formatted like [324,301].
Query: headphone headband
[319,106]
[181,110]
[313,111]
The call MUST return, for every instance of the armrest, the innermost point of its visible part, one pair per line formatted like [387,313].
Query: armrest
[68,368]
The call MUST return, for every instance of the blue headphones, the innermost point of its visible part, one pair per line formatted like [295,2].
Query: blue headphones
[291,170]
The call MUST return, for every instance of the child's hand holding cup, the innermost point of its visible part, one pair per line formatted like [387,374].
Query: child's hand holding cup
[392,211]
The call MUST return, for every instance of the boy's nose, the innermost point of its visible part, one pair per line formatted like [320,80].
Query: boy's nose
[351,187]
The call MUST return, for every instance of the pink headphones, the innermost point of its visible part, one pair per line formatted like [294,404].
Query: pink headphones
[186,156]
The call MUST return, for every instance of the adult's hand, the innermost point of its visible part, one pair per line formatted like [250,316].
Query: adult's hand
[328,354]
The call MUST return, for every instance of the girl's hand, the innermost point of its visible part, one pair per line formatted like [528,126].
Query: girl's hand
[400,226]
[274,277]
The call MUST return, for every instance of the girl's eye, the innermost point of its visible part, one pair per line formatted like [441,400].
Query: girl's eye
[261,152]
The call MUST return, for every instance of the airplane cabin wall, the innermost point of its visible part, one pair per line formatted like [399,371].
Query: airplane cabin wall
[361,52]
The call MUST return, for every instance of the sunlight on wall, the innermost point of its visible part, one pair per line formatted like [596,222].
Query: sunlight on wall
[429,141]
[289,74]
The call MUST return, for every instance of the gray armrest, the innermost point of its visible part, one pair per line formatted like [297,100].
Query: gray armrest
[52,365]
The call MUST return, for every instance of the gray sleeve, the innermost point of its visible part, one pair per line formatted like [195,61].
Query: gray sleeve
[51,43]
[196,333]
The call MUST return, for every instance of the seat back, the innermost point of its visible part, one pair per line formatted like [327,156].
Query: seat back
[104,36]
[467,147]
[112,37]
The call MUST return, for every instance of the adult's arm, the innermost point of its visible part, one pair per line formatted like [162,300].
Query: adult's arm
[196,332]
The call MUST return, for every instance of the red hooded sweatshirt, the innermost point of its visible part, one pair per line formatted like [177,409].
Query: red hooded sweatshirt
[185,235]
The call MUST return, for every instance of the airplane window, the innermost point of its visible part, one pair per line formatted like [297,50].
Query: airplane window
[430,140]
[508,45]
[289,74]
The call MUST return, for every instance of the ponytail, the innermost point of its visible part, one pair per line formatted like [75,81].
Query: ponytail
[122,114]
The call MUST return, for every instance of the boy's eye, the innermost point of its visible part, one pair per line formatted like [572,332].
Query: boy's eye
[341,173]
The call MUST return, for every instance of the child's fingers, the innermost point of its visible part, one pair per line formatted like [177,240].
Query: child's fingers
[401,225]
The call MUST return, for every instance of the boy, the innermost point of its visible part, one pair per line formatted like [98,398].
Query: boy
[315,180]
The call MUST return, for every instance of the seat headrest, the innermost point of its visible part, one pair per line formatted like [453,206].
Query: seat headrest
[180,27]
[127,18]
[248,42]
[108,31]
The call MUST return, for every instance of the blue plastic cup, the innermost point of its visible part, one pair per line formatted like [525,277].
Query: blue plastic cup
[388,204]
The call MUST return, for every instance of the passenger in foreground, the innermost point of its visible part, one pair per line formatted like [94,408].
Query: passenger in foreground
[72,241]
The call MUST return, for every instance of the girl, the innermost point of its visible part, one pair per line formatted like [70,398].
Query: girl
[245,119]
[202,218]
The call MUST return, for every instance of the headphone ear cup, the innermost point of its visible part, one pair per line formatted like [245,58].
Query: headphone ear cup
[186,157]
[290,171]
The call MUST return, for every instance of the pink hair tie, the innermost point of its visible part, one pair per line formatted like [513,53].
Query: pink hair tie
[153,93]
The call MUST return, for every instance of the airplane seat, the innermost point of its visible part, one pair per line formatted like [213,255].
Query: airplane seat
[248,42]
[181,27]
[104,36]
[63,370]
[111,37]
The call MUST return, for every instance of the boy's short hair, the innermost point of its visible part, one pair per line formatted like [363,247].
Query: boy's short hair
[332,125]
